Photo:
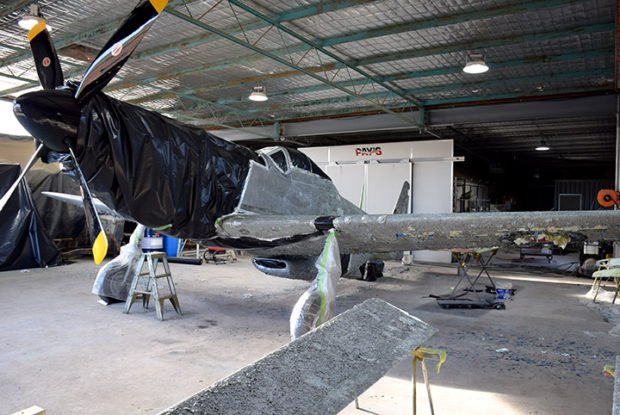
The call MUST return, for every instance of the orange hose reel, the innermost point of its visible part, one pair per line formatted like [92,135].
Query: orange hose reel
[608,197]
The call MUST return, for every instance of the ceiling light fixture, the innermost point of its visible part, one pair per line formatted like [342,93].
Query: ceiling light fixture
[543,146]
[259,93]
[475,64]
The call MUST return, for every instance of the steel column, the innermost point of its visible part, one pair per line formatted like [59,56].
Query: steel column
[617,175]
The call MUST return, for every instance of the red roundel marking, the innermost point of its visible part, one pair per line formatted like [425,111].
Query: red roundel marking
[46,62]
[117,49]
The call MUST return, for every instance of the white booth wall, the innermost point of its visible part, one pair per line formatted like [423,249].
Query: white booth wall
[372,175]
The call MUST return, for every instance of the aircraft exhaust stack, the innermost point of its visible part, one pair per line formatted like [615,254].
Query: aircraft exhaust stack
[51,116]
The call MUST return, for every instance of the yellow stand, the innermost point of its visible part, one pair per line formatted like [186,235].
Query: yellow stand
[420,354]
[152,288]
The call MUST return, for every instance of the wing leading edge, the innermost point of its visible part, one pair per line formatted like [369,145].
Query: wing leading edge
[390,233]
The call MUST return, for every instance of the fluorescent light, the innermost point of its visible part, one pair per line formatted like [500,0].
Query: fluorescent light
[475,64]
[543,147]
[258,94]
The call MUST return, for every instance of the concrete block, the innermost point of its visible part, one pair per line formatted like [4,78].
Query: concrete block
[322,371]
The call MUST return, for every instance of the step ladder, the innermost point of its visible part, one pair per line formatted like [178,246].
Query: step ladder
[146,284]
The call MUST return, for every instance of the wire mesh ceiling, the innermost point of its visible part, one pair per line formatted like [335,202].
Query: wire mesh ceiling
[327,58]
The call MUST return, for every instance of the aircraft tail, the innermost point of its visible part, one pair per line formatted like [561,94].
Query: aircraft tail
[403,200]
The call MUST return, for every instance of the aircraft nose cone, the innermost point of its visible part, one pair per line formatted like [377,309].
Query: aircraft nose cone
[51,116]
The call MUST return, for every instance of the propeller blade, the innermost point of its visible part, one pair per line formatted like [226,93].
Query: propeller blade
[93,222]
[30,163]
[117,50]
[45,57]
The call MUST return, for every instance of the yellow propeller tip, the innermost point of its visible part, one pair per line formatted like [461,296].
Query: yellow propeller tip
[36,29]
[158,5]
[100,248]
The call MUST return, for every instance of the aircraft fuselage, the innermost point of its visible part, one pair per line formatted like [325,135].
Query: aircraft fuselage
[174,177]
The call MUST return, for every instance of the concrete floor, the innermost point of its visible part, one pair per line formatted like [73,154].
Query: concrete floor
[63,351]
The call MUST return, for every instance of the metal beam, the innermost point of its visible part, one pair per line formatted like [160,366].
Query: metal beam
[438,88]
[479,100]
[285,62]
[327,6]
[32,83]
[286,16]
[447,70]
[486,43]
[417,53]
[79,37]
[530,143]
[61,43]
[517,95]
[215,124]
[341,62]
[599,106]
[203,101]
[489,43]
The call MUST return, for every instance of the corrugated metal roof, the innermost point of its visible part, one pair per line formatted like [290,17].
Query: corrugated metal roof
[185,67]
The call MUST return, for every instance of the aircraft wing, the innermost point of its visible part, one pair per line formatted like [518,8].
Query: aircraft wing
[76,200]
[389,233]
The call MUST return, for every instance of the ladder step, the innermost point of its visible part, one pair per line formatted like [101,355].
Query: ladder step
[152,282]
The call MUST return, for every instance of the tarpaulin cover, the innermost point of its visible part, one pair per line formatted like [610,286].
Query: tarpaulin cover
[157,171]
[23,241]
[318,303]
[115,277]
[60,219]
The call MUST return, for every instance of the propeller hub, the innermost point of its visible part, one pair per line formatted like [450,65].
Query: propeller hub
[51,115]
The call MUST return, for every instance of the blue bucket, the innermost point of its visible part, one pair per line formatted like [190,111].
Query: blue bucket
[172,245]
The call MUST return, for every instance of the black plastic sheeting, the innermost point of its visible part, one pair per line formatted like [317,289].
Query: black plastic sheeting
[157,171]
[23,241]
[60,219]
